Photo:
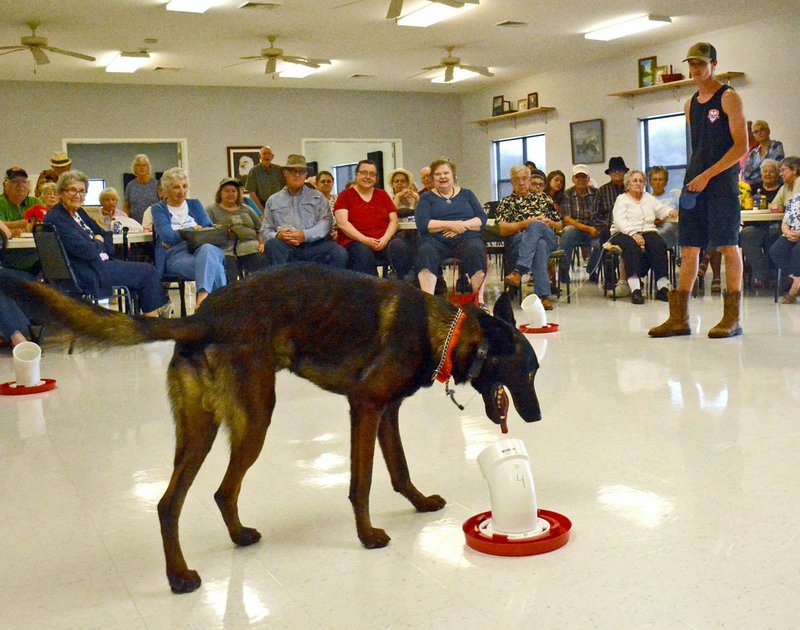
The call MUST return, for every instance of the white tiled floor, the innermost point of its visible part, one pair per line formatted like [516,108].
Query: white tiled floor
[676,460]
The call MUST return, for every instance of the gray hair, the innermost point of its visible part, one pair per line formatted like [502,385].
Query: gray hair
[792,163]
[141,159]
[770,163]
[108,192]
[67,178]
[519,168]
[655,170]
[630,174]
[51,186]
[170,175]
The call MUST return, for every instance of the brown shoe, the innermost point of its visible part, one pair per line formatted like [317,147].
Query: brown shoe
[678,321]
[729,325]
[547,304]
[514,279]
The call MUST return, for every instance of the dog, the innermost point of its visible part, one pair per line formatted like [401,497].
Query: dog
[375,341]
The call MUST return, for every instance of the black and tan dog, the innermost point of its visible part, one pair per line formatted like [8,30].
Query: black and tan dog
[374,341]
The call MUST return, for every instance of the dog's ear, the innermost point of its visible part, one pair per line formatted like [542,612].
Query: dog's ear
[503,309]
[499,333]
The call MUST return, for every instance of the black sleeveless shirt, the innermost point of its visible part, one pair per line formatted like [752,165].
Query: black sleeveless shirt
[711,139]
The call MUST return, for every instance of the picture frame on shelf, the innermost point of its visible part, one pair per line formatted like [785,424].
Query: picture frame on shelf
[660,72]
[533,100]
[497,105]
[586,141]
[241,160]
[507,108]
[648,66]
[522,105]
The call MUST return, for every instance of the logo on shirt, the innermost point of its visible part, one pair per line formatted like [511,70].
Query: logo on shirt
[713,115]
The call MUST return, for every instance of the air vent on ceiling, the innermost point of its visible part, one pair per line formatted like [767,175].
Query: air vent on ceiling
[511,24]
[361,76]
[255,4]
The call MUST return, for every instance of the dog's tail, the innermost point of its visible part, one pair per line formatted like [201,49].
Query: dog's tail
[94,324]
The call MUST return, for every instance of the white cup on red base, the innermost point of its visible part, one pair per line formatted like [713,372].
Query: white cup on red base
[27,357]
[534,309]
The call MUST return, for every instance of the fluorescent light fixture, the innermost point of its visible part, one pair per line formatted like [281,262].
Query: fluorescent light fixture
[629,27]
[128,62]
[295,70]
[190,6]
[459,74]
[430,14]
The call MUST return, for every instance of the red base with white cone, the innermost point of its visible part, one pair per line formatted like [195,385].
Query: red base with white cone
[537,319]
[515,526]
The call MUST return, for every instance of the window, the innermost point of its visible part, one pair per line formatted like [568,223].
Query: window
[342,174]
[666,142]
[512,151]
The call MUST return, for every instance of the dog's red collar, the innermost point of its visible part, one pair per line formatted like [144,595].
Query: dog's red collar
[445,367]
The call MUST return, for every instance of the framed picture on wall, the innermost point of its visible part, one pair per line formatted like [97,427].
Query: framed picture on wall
[647,71]
[586,139]
[241,160]
[497,105]
[522,105]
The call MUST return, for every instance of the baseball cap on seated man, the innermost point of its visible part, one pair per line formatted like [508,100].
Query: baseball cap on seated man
[702,51]
[580,168]
[15,172]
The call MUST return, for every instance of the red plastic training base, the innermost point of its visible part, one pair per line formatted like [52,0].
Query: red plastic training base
[530,330]
[500,545]
[12,389]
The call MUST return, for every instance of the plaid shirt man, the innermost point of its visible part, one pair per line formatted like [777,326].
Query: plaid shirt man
[577,207]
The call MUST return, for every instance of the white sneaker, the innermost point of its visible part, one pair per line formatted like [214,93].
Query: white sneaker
[623,288]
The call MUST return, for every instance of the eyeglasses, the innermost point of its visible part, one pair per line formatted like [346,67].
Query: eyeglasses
[367,173]
[76,192]
[302,172]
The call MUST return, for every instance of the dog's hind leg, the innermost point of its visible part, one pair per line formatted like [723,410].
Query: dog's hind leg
[364,419]
[256,400]
[195,430]
[395,456]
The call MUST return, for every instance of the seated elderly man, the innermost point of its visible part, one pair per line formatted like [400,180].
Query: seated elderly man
[13,320]
[297,222]
[530,221]
[14,202]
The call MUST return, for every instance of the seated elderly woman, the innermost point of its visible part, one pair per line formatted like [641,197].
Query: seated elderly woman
[658,177]
[49,197]
[757,238]
[449,219]
[633,229]
[366,219]
[767,149]
[90,250]
[785,251]
[229,211]
[206,265]
[405,196]
[115,219]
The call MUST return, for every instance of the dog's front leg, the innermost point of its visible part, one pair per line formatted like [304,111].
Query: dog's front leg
[395,456]
[364,419]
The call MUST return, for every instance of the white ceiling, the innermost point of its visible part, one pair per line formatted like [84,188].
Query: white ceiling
[356,37]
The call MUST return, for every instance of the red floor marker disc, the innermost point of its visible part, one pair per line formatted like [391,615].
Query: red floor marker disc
[500,545]
[12,389]
[530,330]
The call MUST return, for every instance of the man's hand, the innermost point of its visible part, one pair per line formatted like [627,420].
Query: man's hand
[699,183]
[293,237]
[592,231]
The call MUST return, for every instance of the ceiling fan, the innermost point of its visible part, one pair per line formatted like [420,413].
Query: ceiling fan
[273,54]
[396,6]
[450,63]
[37,45]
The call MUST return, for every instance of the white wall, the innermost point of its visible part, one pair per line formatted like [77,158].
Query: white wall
[37,116]
[766,51]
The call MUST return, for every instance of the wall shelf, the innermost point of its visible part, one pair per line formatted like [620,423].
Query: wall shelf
[724,77]
[515,115]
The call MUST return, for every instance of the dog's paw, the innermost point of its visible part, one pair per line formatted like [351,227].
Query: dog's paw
[430,504]
[246,536]
[184,582]
[374,538]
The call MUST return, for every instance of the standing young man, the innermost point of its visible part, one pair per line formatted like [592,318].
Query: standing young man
[710,214]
